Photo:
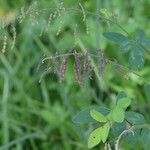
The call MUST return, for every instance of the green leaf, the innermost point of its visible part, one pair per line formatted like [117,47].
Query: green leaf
[85,117]
[147,91]
[145,137]
[121,95]
[133,138]
[119,128]
[142,39]
[115,37]
[98,116]
[124,102]
[135,118]
[125,46]
[105,132]
[117,114]
[95,137]
[136,57]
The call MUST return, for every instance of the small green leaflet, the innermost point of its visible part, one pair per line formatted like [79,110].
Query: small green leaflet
[105,132]
[98,135]
[136,57]
[121,95]
[135,118]
[125,46]
[142,39]
[123,103]
[85,117]
[98,116]
[95,137]
[117,114]
[115,37]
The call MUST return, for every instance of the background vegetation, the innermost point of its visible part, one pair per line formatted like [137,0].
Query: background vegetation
[38,116]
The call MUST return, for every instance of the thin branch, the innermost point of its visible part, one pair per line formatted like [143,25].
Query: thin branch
[129,130]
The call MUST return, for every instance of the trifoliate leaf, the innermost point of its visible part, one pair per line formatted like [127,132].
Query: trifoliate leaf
[95,137]
[105,132]
[117,114]
[98,116]
[124,102]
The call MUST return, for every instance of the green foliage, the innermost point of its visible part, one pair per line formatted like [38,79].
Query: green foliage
[135,118]
[147,91]
[85,117]
[135,47]
[117,114]
[98,116]
[105,132]
[98,135]
[38,116]
[145,134]
[115,37]
[95,137]
[136,57]
[142,39]
[123,103]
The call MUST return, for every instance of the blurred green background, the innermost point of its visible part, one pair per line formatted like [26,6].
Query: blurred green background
[38,116]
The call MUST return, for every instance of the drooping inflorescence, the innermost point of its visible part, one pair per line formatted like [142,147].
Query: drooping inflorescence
[83,66]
